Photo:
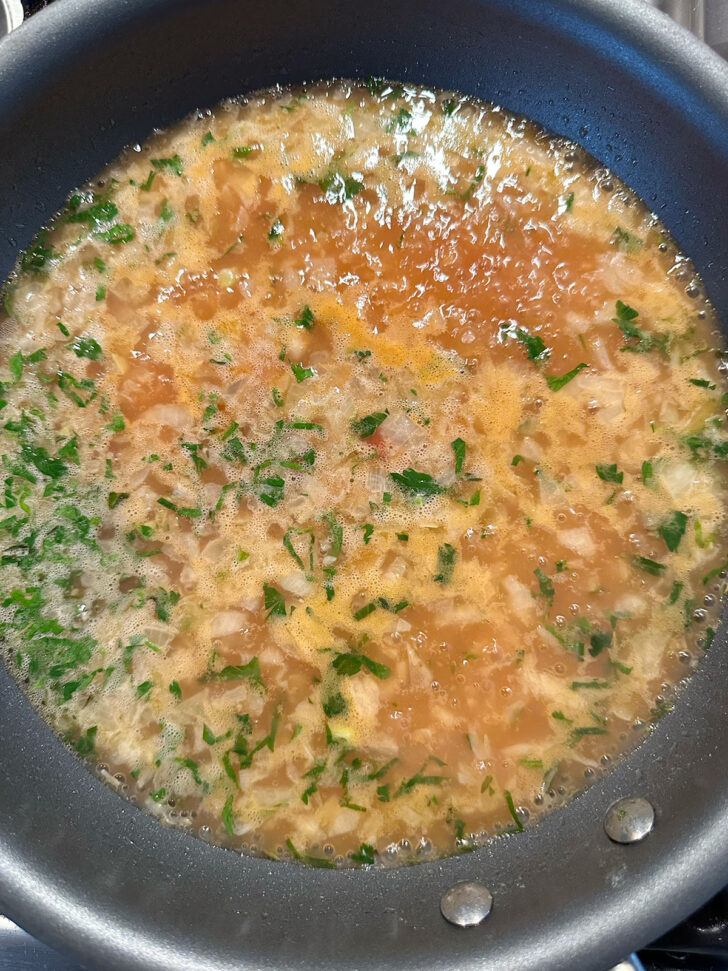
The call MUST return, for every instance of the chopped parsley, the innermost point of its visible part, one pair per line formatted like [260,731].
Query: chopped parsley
[649,566]
[37,256]
[117,424]
[545,585]
[238,672]
[119,233]
[305,319]
[600,640]
[512,810]
[95,215]
[86,744]
[446,558]
[417,483]
[347,665]
[275,602]
[609,473]
[420,779]
[576,734]
[556,383]
[458,447]
[164,600]
[365,427]
[364,611]
[301,373]
[382,602]
[401,123]
[185,511]
[228,817]
[86,347]
[340,188]
[334,704]
[715,572]
[672,529]
[475,182]
[336,533]
[173,164]
[642,341]
[626,241]
[364,855]
[536,350]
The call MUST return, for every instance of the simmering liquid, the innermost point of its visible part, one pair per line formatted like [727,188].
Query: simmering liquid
[363,453]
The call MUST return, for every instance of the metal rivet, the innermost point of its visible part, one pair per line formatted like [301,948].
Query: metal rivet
[629,820]
[466,904]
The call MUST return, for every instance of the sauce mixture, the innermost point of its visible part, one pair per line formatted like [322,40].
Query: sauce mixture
[363,454]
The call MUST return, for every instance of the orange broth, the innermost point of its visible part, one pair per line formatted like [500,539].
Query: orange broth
[364,458]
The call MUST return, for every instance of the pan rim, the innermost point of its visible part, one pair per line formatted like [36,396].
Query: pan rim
[112,941]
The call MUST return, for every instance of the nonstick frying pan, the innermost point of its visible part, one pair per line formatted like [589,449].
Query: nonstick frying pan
[91,874]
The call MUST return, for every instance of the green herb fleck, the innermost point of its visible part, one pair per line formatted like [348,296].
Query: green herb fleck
[174,164]
[120,233]
[185,511]
[275,603]
[86,347]
[446,557]
[535,347]
[458,447]
[645,342]
[626,241]
[164,600]
[301,373]
[334,705]
[418,483]
[672,529]
[546,587]
[512,811]
[609,473]
[347,665]
[649,566]
[555,382]
[364,855]
[305,319]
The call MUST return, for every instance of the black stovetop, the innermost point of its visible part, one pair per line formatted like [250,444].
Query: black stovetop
[699,943]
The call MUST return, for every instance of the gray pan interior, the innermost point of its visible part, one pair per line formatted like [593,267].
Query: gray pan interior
[92,875]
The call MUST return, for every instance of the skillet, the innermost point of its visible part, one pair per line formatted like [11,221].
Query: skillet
[94,876]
